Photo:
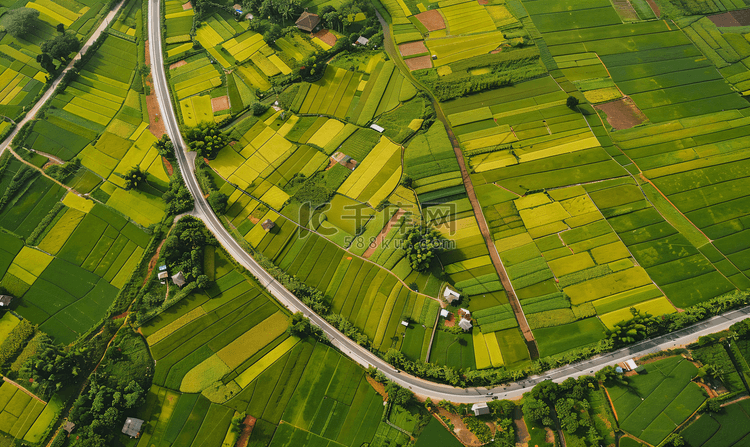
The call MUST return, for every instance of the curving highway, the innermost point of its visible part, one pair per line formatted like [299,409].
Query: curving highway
[360,355]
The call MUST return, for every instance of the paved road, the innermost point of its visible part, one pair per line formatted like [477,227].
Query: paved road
[48,94]
[360,355]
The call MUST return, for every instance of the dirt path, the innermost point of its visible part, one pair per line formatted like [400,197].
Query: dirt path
[515,304]
[247,429]
[522,431]
[152,262]
[32,395]
[156,125]
[478,214]
[379,239]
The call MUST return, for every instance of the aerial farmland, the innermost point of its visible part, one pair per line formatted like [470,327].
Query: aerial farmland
[374,223]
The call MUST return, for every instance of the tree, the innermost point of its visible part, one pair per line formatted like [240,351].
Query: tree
[165,147]
[258,108]
[571,102]
[397,394]
[60,28]
[60,46]
[19,22]
[206,139]
[45,60]
[273,33]
[637,328]
[421,245]
[202,282]
[134,178]
[218,201]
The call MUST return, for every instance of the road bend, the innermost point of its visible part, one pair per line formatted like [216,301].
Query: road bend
[425,388]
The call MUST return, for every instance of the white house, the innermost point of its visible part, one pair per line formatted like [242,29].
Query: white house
[450,295]
[444,313]
[465,324]
[480,409]
[631,364]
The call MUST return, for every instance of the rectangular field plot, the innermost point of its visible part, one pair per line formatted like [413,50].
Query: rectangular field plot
[20,412]
[656,403]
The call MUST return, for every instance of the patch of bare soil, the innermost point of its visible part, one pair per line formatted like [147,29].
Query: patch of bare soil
[611,404]
[152,263]
[460,431]
[522,432]
[379,239]
[724,20]
[187,6]
[377,386]
[622,113]
[253,219]
[550,436]
[418,63]
[432,20]
[326,36]
[155,123]
[742,16]
[220,103]
[654,7]
[173,66]
[168,166]
[412,48]
[247,429]
[483,2]
[450,321]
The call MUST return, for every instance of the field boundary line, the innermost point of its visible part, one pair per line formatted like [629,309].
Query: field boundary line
[24,390]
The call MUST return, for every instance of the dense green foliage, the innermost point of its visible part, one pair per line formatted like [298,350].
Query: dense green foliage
[134,178]
[183,249]
[60,46]
[21,21]
[421,245]
[206,139]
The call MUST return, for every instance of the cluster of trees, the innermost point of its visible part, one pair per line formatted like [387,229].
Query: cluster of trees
[206,139]
[218,200]
[177,197]
[300,326]
[421,244]
[20,22]
[134,178]
[100,412]
[568,401]
[165,147]
[274,10]
[183,249]
[52,368]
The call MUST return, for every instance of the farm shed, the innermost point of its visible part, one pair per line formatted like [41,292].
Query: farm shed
[444,313]
[268,225]
[362,40]
[5,300]
[480,409]
[465,324]
[132,427]
[69,427]
[631,364]
[377,128]
[307,21]
[179,279]
[450,295]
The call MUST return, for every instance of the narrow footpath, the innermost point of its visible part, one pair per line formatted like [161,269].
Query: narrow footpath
[515,304]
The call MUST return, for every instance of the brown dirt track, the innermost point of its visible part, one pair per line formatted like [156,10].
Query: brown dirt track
[654,7]
[220,103]
[418,63]
[155,124]
[622,114]
[412,48]
[432,20]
